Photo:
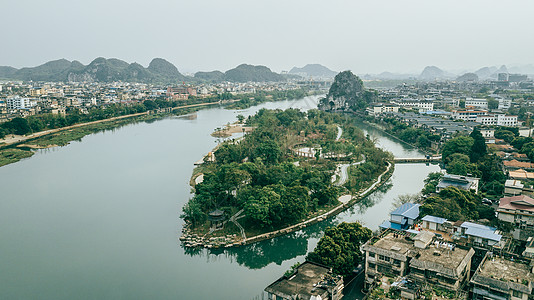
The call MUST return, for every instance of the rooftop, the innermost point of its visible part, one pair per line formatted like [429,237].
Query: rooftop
[433,219]
[502,273]
[400,243]
[305,282]
[409,210]
[442,257]
[520,202]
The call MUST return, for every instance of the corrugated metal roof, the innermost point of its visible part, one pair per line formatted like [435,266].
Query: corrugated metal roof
[408,210]
[433,219]
[485,234]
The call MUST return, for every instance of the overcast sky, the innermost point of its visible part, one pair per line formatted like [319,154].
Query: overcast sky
[363,36]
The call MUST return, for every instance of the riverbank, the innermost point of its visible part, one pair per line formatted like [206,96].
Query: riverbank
[15,148]
[190,239]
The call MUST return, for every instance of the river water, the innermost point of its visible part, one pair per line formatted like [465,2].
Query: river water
[99,218]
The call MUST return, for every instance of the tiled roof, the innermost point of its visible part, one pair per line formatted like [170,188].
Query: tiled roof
[521,202]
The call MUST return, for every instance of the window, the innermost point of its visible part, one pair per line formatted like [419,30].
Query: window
[384,258]
[517,294]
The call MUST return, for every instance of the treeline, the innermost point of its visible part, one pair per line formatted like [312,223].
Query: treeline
[36,123]
[418,137]
[468,155]
[262,175]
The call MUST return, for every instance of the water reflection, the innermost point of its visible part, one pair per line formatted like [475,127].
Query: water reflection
[262,254]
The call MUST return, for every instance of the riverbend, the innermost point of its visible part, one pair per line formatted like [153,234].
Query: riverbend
[99,218]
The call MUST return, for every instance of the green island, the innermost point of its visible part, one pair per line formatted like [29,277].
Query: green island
[290,168]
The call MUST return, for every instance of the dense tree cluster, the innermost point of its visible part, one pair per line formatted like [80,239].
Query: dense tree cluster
[468,155]
[260,175]
[455,204]
[339,248]
[419,137]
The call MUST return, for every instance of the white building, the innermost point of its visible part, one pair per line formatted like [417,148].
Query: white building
[477,103]
[505,103]
[422,105]
[17,102]
[468,115]
[499,120]
[488,132]
[383,108]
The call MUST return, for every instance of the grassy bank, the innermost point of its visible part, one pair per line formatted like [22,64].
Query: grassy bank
[63,138]
[9,156]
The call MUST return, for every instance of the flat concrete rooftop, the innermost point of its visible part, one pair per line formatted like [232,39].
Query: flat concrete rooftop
[502,269]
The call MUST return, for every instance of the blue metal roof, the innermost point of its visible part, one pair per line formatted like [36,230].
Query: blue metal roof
[408,210]
[468,225]
[433,219]
[482,233]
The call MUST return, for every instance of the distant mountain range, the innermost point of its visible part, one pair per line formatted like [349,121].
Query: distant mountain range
[313,70]
[109,70]
[431,73]
[99,70]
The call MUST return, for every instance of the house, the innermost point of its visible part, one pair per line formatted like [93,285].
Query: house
[442,264]
[498,278]
[513,187]
[487,132]
[515,164]
[403,217]
[518,210]
[520,174]
[382,108]
[308,281]
[478,235]
[462,182]
[433,223]
[419,257]
[529,248]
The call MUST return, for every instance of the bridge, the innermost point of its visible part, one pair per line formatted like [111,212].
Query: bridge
[428,159]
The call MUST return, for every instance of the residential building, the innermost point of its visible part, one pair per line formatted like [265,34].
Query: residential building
[529,248]
[382,108]
[518,210]
[433,223]
[476,103]
[487,132]
[309,281]
[422,105]
[501,279]
[499,120]
[481,235]
[515,164]
[462,182]
[17,102]
[513,187]
[468,115]
[403,217]
[418,256]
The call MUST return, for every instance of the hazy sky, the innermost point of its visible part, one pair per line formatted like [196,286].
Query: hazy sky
[364,36]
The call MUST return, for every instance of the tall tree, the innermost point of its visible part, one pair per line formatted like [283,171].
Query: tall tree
[478,149]
[339,248]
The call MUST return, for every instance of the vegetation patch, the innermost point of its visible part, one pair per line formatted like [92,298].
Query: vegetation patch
[9,156]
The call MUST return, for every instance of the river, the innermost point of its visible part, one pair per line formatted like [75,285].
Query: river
[99,218]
